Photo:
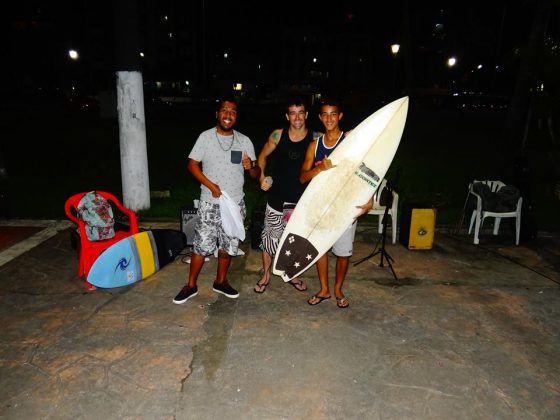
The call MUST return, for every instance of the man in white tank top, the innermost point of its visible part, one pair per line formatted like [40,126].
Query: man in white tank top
[316,161]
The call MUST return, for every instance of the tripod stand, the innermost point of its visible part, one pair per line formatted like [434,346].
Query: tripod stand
[382,251]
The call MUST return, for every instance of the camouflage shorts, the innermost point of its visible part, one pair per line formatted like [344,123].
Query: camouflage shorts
[208,232]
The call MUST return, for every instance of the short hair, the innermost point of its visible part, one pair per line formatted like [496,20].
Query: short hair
[297,101]
[221,100]
[331,102]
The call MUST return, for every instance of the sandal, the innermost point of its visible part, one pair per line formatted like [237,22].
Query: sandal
[261,287]
[298,285]
[342,302]
[316,299]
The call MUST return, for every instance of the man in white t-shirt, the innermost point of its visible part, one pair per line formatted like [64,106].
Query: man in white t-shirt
[218,160]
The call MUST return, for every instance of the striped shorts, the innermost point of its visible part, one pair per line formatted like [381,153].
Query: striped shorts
[272,230]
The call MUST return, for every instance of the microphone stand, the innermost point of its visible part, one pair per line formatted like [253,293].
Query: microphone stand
[382,251]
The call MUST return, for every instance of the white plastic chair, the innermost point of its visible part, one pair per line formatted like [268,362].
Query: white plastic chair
[379,210]
[478,215]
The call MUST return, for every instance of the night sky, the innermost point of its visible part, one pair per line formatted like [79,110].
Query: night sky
[270,45]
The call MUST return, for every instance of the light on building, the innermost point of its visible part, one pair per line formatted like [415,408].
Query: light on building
[73,54]
[237,86]
[395,49]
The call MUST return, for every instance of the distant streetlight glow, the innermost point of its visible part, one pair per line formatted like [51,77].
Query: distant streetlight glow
[237,86]
[187,82]
[451,61]
[225,55]
[73,54]
[395,48]
[314,60]
[142,54]
[479,66]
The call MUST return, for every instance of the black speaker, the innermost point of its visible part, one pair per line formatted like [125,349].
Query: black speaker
[188,222]
[257,223]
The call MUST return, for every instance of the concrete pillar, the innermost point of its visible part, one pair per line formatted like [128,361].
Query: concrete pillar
[132,133]
[130,106]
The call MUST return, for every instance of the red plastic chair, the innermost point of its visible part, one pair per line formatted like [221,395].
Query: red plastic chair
[90,250]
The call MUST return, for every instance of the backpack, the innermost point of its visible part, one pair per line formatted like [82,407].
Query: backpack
[97,214]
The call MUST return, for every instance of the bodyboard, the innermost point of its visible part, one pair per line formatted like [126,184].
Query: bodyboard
[136,257]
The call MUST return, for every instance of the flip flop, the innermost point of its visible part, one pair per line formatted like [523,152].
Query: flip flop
[342,303]
[318,299]
[299,286]
[261,286]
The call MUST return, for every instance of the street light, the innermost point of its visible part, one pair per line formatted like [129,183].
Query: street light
[73,54]
[395,50]
[451,62]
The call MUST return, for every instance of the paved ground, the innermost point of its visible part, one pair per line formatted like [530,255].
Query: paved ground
[465,332]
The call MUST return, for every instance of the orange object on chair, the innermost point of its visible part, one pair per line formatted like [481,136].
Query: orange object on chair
[90,250]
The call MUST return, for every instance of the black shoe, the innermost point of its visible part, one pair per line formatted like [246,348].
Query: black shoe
[185,294]
[225,289]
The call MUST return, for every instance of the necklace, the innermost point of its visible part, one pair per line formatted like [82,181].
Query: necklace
[220,142]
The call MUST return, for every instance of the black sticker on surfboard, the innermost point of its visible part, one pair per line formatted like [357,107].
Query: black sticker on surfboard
[368,175]
[296,254]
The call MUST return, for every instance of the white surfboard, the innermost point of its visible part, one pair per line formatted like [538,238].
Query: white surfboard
[328,205]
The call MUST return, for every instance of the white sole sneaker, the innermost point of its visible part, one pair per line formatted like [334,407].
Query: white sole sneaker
[180,302]
[226,295]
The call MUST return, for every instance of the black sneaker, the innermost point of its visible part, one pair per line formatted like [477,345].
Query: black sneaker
[185,294]
[225,289]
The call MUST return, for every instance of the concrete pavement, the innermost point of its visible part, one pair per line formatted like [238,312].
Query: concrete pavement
[465,332]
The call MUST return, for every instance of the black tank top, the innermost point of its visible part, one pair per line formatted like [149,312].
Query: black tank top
[288,158]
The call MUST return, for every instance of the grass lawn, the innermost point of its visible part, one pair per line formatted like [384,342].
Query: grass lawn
[51,154]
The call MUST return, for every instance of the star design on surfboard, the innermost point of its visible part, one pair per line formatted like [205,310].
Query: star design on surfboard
[291,239]
[308,257]
[296,264]
[288,253]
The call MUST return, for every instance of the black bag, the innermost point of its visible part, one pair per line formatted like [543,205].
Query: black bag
[502,201]
[169,244]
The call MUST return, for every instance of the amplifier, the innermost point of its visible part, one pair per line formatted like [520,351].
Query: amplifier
[188,222]
[418,225]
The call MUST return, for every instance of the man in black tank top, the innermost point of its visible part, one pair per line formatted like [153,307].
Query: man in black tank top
[283,187]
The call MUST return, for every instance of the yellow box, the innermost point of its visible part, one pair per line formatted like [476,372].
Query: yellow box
[417,227]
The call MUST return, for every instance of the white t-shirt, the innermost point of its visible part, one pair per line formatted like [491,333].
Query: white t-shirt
[221,160]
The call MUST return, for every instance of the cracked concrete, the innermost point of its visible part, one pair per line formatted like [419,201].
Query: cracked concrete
[465,331]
